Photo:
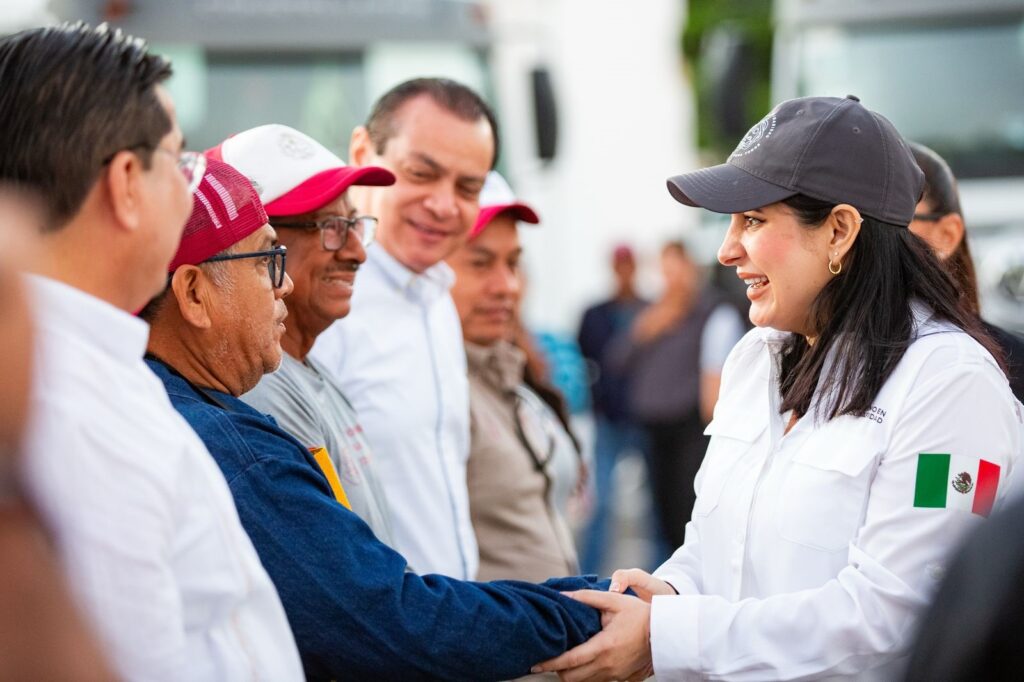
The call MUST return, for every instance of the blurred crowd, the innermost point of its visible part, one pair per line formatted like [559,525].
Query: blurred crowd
[272,414]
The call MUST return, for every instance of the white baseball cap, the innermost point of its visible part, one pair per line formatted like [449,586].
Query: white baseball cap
[292,172]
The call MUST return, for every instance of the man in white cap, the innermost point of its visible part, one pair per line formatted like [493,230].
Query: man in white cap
[304,187]
[399,355]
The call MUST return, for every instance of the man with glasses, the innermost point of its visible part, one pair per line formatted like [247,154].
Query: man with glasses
[399,355]
[305,189]
[143,521]
[356,610]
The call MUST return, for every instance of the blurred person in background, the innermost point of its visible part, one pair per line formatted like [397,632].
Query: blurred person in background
[939,221]
[399,354]
[42,635]
[863,428]
[674,353]
[615,431]
[304,188]
[143,521]
[523,462]
[356,609]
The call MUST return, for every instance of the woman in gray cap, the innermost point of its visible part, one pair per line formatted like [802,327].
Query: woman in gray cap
[940,223]
[863,427]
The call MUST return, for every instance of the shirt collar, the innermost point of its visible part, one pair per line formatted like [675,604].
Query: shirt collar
[426,286]
[119,334]
[500,364]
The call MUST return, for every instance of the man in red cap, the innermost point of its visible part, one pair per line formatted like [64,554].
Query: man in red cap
[523,463]
[356,610]
[305,189]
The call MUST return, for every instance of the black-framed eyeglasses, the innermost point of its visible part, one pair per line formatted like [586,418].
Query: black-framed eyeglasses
[275,262]
[191,164]
[335,229]
[535,427]
[930,217]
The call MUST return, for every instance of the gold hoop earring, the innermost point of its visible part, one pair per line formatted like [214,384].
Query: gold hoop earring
[838,268]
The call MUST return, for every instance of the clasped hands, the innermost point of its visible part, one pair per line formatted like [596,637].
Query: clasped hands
[622,650]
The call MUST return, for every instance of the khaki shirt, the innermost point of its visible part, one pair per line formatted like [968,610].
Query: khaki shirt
[520,533]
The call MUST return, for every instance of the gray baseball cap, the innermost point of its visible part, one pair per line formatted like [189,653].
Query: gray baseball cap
[828,148]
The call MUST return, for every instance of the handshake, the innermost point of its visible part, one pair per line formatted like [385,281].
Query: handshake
[622,650]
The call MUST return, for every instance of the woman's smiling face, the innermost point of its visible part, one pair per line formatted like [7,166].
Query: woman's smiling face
[783,263]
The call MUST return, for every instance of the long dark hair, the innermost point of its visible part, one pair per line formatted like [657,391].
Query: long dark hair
[547,392]
[942,197]
[863,317]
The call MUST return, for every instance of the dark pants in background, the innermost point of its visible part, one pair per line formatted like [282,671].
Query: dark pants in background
[675,450]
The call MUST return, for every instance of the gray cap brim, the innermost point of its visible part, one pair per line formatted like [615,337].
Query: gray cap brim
[725,189]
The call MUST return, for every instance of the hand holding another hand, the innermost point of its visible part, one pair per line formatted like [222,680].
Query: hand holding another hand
[645,585]
[621,651]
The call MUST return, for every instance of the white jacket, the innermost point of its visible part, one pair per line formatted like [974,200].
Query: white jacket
[805,557]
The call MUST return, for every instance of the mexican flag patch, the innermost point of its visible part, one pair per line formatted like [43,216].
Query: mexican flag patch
[954,482]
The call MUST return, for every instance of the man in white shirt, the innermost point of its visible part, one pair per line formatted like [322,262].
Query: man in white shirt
[399,354]
[142,518]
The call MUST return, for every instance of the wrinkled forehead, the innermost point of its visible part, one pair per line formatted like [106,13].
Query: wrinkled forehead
[260,240]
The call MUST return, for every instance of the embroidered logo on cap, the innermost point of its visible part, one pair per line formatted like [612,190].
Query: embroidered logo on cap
[294,146]
[755,136]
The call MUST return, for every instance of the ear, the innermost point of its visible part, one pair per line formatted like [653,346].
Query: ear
[946,235]
[124,183]
[360,147]
[844,223]
[192,292]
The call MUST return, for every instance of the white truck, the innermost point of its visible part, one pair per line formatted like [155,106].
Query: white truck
[949,74]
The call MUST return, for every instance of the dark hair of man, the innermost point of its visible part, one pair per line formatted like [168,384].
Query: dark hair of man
[454,97]
[942,197]
[72,96]
[863,317]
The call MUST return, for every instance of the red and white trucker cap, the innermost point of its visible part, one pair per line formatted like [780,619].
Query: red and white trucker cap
[496,198]
[292,172]
[225,210]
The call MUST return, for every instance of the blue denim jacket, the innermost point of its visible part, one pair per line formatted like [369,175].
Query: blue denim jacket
[355,611]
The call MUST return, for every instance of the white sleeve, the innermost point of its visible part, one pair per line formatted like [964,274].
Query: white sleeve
[864,617]
[683,569]
[722,331]
[116,536]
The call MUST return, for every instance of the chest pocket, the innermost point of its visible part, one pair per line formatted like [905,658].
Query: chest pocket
[732,438]
[824,488]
